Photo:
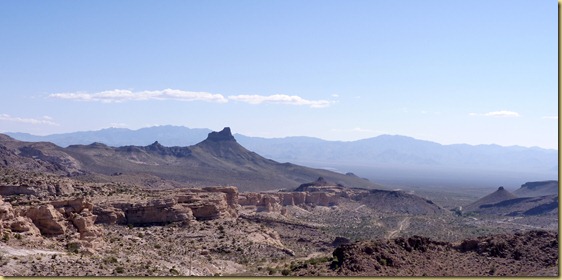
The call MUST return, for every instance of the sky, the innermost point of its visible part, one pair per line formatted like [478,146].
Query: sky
[475,72]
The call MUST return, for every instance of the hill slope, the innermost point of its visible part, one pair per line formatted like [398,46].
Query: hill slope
[502,202]
[218,160]
[498,196]
[542,188]
[523,206]
[520,254]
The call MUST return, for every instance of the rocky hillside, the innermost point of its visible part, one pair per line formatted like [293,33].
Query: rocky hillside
[522,206]
[533,253]
[218,160]
[504,203]
[542,188]
[498,196]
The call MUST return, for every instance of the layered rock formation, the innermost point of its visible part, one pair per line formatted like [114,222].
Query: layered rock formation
[49,221]
[46,185]
[9,219]
[166,207]
[66,216]
[322,193]
[71,218]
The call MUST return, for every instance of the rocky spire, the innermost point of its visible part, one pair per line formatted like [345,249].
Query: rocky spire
[223,135]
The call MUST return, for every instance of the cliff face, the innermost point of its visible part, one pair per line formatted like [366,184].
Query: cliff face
[329,195]
[273,202]
[166,207]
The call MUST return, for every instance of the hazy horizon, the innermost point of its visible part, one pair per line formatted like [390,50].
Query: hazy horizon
[279,137]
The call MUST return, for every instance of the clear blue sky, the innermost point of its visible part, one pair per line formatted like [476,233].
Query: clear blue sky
[476,72]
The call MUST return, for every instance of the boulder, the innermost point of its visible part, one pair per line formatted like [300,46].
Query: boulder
[73,205]
[6,210]
[109,215]
[84,223]
[24,224]
[156,211]
[47,219]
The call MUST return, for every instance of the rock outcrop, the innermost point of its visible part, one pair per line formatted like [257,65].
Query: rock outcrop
[80,213]
[518,254]
[183,205]
[273,202]
[156,148]
[9,219]
[158,211]
[323,193]
[223,135]
[72,216]
[49,221]
[39,187]
[23,224]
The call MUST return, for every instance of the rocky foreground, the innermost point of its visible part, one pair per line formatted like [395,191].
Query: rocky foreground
[533,253]
[57,226]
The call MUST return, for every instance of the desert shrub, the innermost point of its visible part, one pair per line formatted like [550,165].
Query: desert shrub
[73,247]
[157,246]
[271,270]
[174,271]
[119,269]
[285,272]
[335,264]
[110,259]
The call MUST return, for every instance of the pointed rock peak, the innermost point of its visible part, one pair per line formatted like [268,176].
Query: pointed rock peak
[223,135]
[500,188]
[155,145]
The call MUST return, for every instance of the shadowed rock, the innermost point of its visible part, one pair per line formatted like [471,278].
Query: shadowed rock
[223,135]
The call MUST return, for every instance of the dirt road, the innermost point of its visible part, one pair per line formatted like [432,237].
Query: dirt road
[401,226]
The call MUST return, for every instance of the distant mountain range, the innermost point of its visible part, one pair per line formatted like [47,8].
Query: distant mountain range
[166,135]
[216,161]
[390,159]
